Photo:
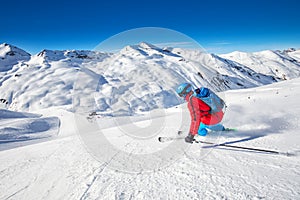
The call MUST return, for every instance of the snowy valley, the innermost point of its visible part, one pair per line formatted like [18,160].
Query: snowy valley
[80,124]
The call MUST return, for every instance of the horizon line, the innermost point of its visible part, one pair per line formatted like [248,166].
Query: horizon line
[210,50]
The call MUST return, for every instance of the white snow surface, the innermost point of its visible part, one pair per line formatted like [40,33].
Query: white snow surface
[19,129]
[51,102]
[266,117]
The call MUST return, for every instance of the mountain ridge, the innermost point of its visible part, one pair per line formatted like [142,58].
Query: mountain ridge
[138,78]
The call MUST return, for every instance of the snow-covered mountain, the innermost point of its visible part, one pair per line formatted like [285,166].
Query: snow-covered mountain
[139,78]
[44,80]
[10,56]
[280,64]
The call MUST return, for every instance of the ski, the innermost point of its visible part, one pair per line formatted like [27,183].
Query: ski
[231,129]
[166,139]
[179,133]
[247,148]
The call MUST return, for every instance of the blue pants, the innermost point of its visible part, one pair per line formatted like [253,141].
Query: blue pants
[203,128]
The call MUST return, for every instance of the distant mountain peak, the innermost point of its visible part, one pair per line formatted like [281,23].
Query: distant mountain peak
[11,50]
[141,46]
[147,45]
[289,50]
[11,55]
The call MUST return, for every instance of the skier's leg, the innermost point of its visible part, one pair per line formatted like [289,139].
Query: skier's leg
[202,129]
[216,127]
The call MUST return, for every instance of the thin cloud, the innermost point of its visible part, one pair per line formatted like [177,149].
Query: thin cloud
[220,43]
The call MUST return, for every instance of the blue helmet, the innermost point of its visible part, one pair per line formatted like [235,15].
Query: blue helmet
[183,89]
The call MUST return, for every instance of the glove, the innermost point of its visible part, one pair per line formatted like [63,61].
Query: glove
[189,138]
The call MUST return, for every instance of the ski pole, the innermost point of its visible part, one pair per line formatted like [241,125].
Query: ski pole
[246,148]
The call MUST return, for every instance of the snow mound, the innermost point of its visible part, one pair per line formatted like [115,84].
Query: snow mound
[18,129]
[6,114]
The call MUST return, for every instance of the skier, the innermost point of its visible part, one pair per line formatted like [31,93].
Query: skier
[202,119]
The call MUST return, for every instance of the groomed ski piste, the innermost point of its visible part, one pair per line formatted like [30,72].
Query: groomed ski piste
[64,167]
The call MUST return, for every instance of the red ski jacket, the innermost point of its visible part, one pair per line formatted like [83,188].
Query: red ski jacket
[199,112]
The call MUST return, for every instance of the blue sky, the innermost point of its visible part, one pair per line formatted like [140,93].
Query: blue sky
[219,26]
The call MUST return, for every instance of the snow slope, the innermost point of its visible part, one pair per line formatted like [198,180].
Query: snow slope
[46,80]
[19,129]
[295,54]
[270,62]
[65,168]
